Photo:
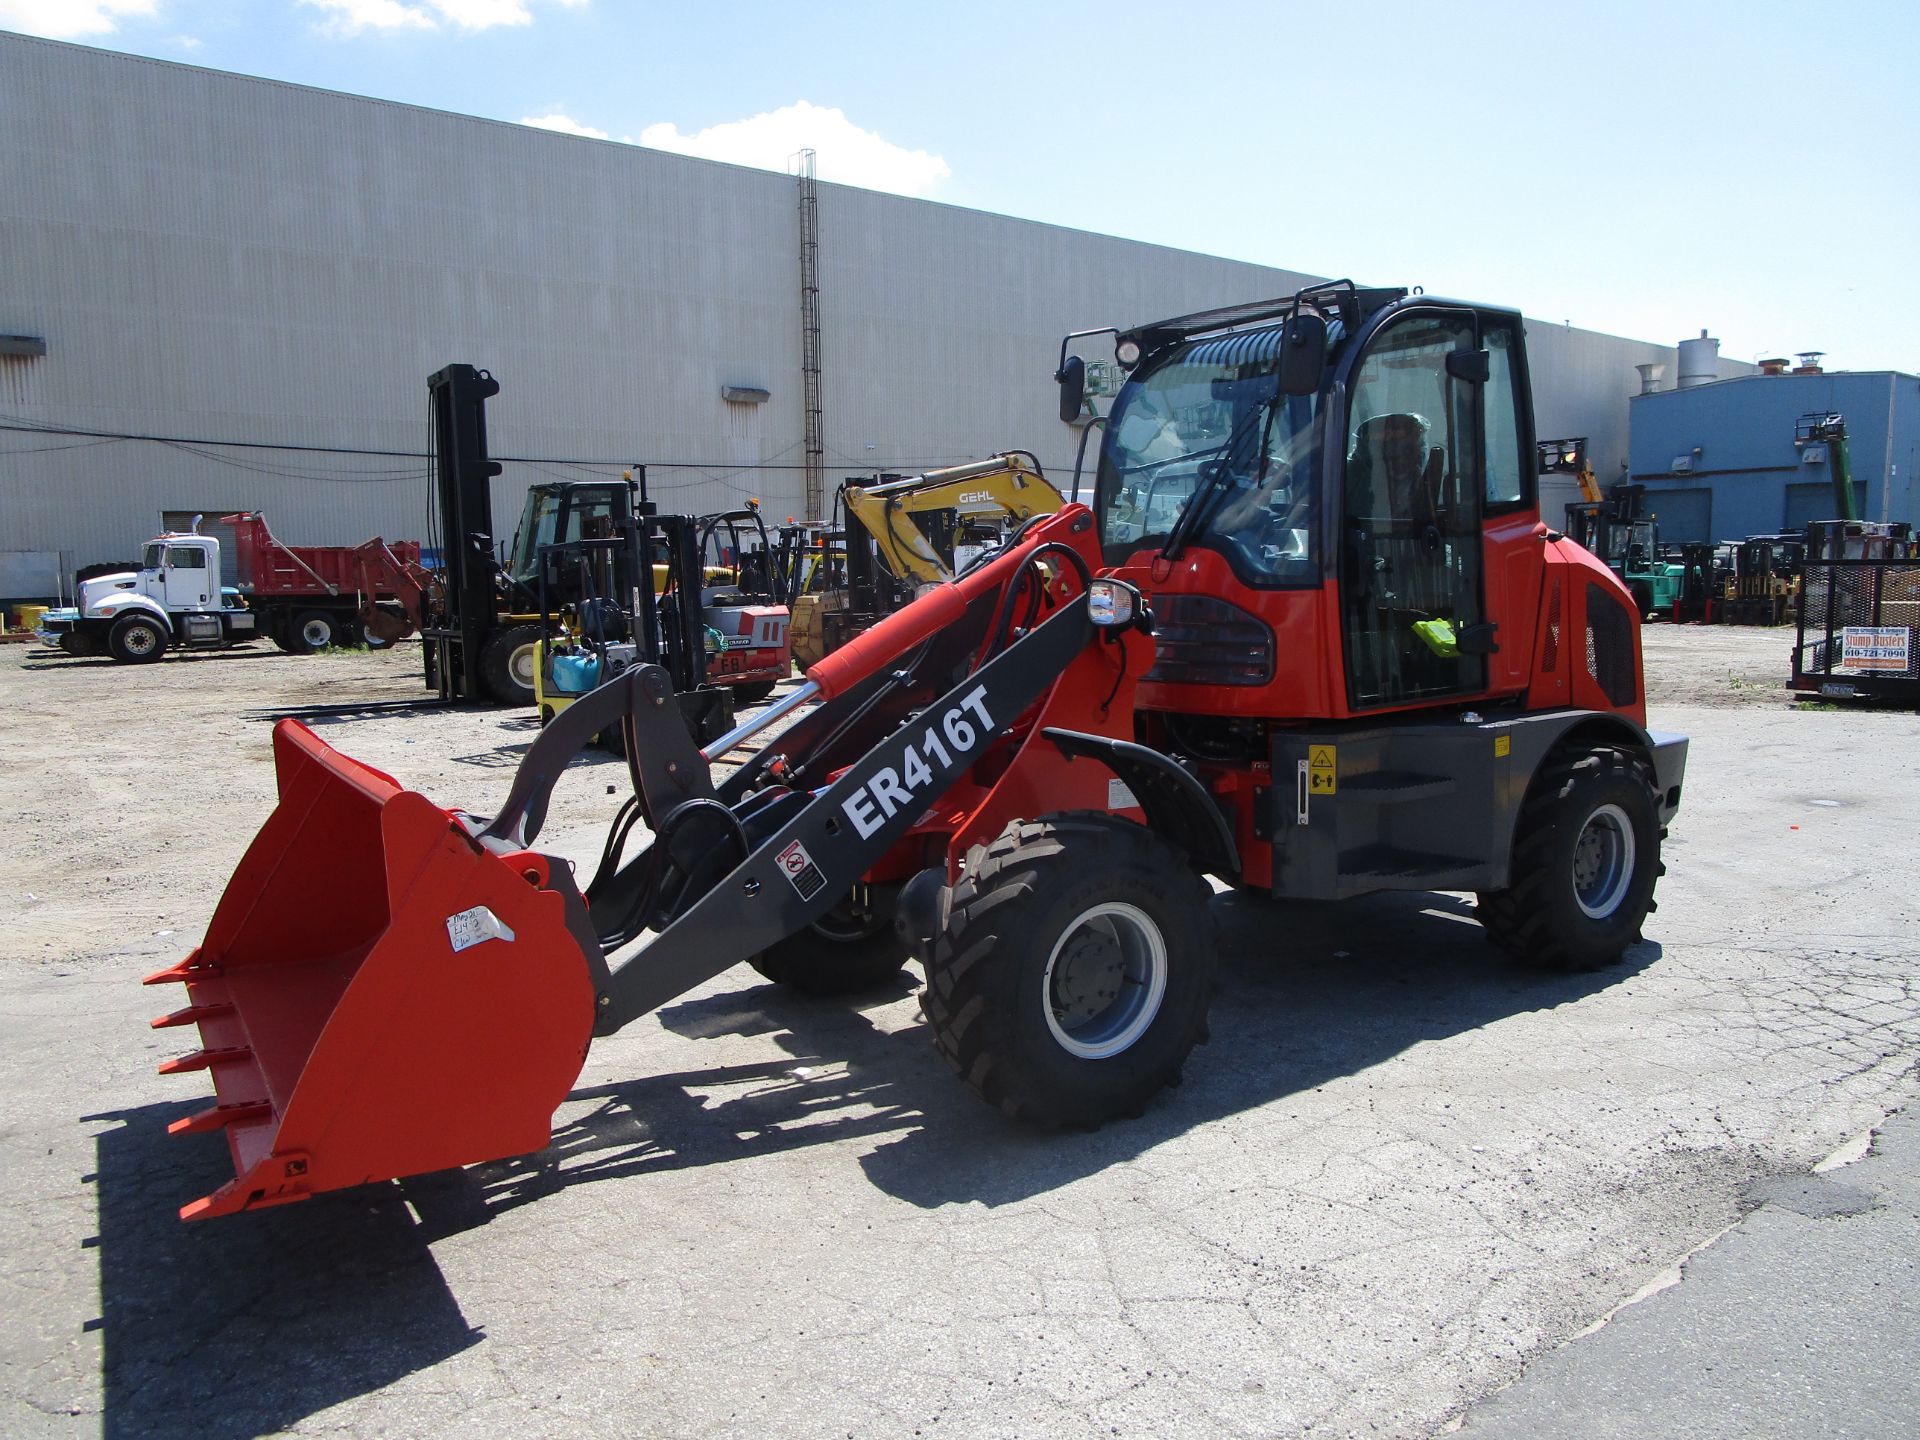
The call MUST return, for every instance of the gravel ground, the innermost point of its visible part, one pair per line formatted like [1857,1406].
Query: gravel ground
[1401,1171]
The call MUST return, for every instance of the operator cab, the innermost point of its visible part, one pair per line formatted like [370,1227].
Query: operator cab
[561,512]
[1324,498]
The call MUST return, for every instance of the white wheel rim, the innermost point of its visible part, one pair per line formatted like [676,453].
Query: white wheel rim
[1603,857]
[141,640]
[316,633]
[1105,980]
[521,665]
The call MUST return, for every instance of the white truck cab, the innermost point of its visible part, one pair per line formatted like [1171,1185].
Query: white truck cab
[182,572]
[174,599]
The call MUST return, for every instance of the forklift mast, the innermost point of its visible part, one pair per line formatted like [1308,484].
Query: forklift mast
[463,477]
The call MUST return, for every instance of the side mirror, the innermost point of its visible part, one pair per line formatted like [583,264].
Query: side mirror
[1072,376]
[1303,354]
[1472,366]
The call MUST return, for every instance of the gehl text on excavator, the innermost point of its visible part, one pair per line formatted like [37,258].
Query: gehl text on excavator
[1311,639]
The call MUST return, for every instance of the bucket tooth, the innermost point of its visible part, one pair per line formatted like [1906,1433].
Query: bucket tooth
[205,1059]
[192,1015]
[218,1117]
[194,967]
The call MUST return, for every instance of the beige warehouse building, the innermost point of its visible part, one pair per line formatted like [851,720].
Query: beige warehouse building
[242,285]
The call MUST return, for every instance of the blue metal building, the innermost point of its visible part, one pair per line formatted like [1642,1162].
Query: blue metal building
[1719,459]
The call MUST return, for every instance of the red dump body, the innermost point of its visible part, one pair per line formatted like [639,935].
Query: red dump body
[271,568]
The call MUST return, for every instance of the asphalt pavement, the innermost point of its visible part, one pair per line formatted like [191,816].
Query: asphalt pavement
[1801,1321]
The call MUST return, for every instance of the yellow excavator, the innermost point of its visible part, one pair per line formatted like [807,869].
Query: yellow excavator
[904,534]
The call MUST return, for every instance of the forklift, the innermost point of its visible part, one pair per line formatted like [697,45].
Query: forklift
[608,621]
[479,618]
[740,610]
[1629,543]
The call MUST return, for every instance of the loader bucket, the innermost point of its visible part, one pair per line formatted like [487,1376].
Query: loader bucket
[377,994]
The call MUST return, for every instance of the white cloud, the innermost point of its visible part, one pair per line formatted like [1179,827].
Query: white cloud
[846,154]
[565,124]
[350,17]
[483,14]
[69,19]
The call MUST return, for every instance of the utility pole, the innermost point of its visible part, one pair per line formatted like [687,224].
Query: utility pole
[816,442]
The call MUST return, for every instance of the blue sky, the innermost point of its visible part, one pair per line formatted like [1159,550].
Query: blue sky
[1643,169]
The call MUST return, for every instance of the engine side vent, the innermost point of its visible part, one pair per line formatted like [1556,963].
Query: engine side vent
[1550,653]
[1610,647]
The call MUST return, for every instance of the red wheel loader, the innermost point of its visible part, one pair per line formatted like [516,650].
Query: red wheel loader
[1311,639]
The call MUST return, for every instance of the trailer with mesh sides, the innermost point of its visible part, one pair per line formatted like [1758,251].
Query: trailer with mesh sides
[1859,624]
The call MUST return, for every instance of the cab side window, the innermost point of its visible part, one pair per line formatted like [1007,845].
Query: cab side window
[1411,543]
[186,557]
[1507,477]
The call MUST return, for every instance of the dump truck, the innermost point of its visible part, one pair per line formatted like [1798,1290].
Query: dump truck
[1352,659]
[303,598]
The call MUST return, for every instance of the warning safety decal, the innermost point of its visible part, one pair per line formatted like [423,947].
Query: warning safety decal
[1323,775]
[797,865]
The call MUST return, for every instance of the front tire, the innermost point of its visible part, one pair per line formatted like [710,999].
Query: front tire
[1073,976]
[507,664]
[1586,858]
[138,640]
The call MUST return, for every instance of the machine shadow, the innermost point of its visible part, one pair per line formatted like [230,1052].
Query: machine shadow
[59,660]
[223,1330]
[1308,993]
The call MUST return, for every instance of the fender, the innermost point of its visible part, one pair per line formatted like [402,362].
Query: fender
[1535,735]
[122,602]
[1178,806]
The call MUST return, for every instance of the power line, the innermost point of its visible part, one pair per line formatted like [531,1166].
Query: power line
[186,444]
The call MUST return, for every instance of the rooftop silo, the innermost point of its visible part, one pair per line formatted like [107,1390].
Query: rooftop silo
[1699,361]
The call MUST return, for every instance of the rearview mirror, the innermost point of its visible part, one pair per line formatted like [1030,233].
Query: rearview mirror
[1072,376]
[1303,354]
[1472,366]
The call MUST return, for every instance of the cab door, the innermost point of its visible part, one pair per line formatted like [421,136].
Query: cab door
[189,581]
[1412,597]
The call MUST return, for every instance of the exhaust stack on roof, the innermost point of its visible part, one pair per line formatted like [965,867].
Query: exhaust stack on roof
[1699,361]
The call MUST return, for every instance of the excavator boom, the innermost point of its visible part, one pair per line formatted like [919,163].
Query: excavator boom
[1008,487]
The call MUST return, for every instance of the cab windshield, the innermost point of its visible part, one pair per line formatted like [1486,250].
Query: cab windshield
[539,525]
[1207,427]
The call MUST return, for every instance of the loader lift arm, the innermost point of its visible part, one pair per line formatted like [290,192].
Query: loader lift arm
[302,1017]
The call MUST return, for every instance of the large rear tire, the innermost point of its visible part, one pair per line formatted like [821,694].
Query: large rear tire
[1586,858]
[138,640]
[1073,976]
[312,631]
[851,948]
[507,665]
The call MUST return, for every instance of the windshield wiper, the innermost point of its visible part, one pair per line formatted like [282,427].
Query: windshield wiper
[1188,520]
